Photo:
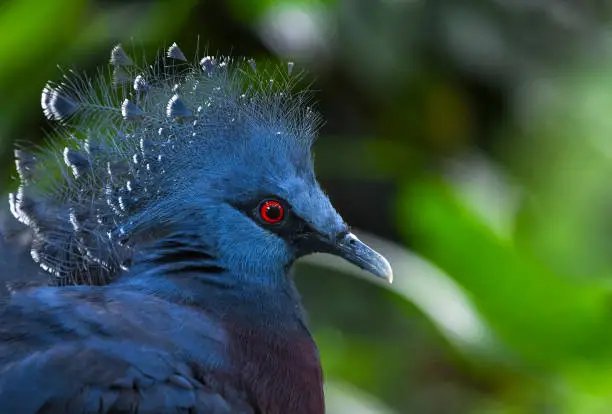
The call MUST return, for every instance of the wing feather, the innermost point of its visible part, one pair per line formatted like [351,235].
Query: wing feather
[65,351]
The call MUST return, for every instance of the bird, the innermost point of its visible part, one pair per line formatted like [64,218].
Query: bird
[168,214]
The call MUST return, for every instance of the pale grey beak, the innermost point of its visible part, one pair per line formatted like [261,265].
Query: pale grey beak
[355,251]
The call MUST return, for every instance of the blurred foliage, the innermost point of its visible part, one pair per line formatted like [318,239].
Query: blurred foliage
[472,137]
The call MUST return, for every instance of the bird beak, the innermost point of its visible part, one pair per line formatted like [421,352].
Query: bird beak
[355,251]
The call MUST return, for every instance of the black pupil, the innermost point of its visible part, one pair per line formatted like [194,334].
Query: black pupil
[273,212]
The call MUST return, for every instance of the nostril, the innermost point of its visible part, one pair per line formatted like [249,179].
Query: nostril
[352,241]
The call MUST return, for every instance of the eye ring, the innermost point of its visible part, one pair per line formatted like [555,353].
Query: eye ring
[271,211]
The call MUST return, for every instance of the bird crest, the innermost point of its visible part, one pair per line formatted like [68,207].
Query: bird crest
[135,141]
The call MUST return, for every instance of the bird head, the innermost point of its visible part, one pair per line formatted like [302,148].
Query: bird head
[262,207]
[216,148]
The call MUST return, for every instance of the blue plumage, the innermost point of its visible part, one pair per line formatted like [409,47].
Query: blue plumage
[169,223]
[133,155]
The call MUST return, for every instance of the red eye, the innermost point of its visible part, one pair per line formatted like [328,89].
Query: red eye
[271,211]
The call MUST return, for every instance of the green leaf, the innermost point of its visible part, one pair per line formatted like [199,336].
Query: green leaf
[543,317]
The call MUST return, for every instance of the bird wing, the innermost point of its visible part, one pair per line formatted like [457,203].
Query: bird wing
[99,376]
[52,361]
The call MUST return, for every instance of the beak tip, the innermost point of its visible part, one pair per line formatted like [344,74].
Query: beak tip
[387,273]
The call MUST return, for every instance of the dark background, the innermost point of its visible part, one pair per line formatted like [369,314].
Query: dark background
[470,141]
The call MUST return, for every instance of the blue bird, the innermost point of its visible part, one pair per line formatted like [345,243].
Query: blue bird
[169,218]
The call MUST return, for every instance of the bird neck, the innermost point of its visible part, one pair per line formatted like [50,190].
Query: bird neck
[272,307]
[182,268]
[269,342]
[273,354]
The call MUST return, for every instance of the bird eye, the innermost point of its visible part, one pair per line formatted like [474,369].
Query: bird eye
[271,211]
